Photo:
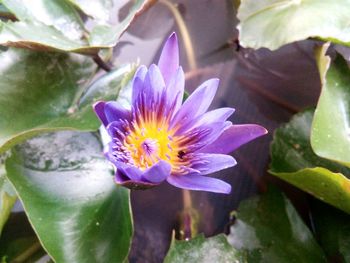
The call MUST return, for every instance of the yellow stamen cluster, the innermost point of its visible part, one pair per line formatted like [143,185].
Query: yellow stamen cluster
[149,142]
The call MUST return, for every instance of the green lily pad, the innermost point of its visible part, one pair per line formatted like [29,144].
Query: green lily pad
[5,13]
[109,86]
[332,228]
[41,33]
[98,9]
[294,161]
[269,229]
[203,250]
[57,13]
[8,197]
[69,195]
[38,36]
[274,23]
[330,136]
[43,92]
[107,35]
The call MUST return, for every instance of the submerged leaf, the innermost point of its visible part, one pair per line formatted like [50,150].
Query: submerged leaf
[332,228]
[19,242]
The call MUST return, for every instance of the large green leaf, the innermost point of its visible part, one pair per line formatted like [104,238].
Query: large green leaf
[274,23]
[330,187]
[294,161]
[330,128]
[8,197]
[99,9]
[42,92]
[203,250]
[38,36]
[332,228]
[57,13]
[68,192]
[50,35]
[109,86]
[5,13]
[107,35]
[269,229]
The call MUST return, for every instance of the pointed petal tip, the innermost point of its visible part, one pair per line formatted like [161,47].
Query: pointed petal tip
[180,69]
[99,109]
[234,137]
[172,39]
[141,72]
[169,58]
[98,104]
[213,81]
[152,66]
[173,35]
[234,162]
[231,111]
[260,130]
[227,190]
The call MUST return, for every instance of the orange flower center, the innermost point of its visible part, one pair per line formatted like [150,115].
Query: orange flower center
[150,142]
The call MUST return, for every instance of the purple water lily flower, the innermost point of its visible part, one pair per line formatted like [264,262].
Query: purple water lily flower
[162,139]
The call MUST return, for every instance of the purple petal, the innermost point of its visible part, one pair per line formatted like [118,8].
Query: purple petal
[116,130]
[175,89]
[115,112]
[233,137]
[218,115]
[154,84]
[211,163]
[215,128]
[157,173]
[199,183]
[137,85]
[99,108]
[169,59]
[197,103]
[121,179]
[130,171]
[201,136]
[112,128]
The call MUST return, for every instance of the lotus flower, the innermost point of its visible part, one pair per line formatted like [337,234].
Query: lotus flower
[162,139]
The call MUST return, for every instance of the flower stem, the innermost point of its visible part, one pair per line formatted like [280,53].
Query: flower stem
[189,218]
[99,61]
[27,253]
[187,200]
[185,35]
